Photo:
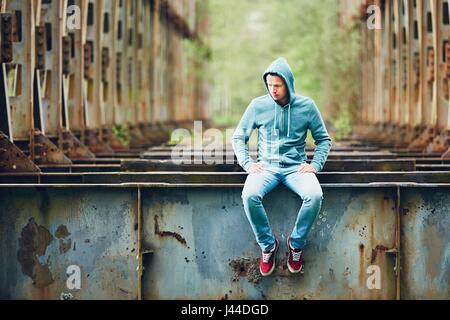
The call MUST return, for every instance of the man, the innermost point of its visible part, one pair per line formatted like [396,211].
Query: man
[282,119]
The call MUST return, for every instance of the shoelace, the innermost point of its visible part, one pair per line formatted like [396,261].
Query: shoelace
[266,256]
[296,255]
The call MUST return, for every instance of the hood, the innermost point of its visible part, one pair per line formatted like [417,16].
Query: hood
[281,68]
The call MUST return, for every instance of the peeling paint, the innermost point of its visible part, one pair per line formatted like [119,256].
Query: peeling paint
[65,246]
[33,243]
[61,233]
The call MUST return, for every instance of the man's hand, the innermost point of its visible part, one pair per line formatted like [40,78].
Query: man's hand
[256,168]
[305,168]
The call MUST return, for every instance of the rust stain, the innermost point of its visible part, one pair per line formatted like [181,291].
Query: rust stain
[373,257]
[33,243]
[65,246]
[383,206]
[61,233]
[361,264]
[243,267]
[379,247]
[43,294]
[175,235]
[372,230]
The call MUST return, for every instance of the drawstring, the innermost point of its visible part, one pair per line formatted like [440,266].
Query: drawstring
[289,120]
[275,122]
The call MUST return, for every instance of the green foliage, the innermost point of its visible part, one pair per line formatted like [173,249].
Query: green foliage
[196,50]
[247,35]
[223,121]
[122,133]
[343,125]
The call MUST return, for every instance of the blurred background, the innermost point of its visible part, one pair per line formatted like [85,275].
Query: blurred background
[245,36]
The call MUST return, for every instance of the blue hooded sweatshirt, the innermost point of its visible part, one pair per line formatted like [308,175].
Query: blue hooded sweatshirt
[282,130]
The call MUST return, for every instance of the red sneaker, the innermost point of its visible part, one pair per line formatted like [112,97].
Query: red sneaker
[267,262]
[295,261]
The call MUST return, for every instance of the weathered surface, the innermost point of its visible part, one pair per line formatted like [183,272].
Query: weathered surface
[44,231]
[222,254]
[33,243]
[197,243]
[425,243]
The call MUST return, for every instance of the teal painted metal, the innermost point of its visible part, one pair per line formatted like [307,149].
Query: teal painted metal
[218,256]
[44,231]
[196,243]
[425,243]
[172,177]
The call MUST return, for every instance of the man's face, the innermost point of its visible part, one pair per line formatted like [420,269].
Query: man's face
[277,88]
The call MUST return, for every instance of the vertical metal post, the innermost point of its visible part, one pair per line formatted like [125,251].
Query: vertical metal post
[156,62]
[387,64]
[22,64]
[139,244]
[441,141]
[398,245]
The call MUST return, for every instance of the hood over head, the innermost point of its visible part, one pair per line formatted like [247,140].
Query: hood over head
[281,68]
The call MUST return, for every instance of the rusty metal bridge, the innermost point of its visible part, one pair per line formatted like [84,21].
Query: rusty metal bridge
[90,92]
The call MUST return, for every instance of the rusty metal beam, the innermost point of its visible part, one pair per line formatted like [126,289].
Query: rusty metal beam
[62,226]
[12,159]
[330,166]
[200,178]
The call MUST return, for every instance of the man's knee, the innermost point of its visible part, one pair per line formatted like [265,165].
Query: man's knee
[314,196]
[251,197]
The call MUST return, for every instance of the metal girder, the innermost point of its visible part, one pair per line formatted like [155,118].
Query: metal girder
[135,242]
[12,159]
[97,80]
[45,151]
[18,63]
[330,165]
[50,73]
[405,91]
[174,177]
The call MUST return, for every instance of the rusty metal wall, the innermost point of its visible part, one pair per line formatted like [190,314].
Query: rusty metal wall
[185,242]
[425,222]
[213,253]
[44,231]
